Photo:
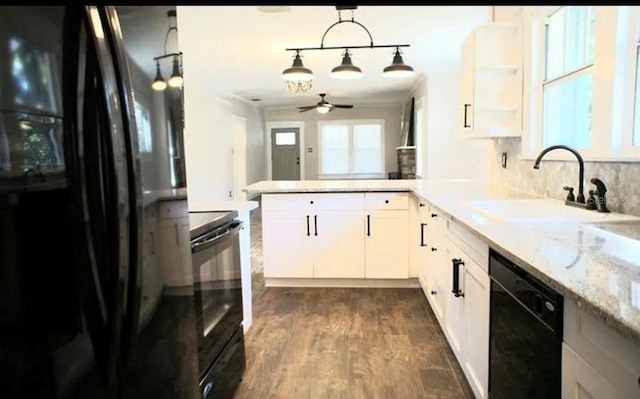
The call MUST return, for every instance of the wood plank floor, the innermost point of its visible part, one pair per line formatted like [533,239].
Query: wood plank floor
[345,343]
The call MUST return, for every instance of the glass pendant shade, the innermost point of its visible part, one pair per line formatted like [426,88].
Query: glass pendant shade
[346,70]
[297,72]
[158,83]
[397,69]
[175,80]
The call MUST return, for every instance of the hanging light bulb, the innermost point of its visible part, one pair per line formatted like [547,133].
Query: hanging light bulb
[175,80]
[397,69]
[346,70]
[158,83]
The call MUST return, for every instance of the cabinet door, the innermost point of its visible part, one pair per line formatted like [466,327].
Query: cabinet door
[338,247]
[286,238]
[386,244]
[175,240]
[467,103]
[454,305]
[581,381]
[476,327]
[437,268]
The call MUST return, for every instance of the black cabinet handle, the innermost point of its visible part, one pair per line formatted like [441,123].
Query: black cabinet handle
[315,224]
[421,205]
[433,292]
[422,244]
[433,249]
[456,277]
[466,123]
[308,233]
[386,201]
[368,225]
[434,215]
[311,202]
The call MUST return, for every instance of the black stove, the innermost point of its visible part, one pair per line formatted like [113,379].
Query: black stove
[205,221]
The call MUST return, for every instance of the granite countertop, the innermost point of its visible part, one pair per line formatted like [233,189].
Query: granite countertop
[595,263]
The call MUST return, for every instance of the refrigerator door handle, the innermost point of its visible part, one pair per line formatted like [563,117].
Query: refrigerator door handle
[124,88]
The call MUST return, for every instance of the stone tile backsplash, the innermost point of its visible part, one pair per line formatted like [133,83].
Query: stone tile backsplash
[621,178]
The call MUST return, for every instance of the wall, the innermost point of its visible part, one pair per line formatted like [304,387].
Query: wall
[255,140]
[390,113]
[621,178]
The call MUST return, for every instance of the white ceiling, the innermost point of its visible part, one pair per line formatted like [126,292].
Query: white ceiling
[244,47]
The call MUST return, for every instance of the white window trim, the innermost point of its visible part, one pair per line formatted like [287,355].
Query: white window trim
[613,71]
[350,122]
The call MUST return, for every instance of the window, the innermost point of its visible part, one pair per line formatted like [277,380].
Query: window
[351,148]
[143,124]
[568,77]
[635,140]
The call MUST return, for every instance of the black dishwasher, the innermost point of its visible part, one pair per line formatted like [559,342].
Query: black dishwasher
[525,334]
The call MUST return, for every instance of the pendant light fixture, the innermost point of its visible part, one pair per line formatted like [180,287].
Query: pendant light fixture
[397,69]
[297,76]
[346,70]
[175,80]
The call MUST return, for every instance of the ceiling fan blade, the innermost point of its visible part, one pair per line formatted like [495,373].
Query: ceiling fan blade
[341,106]
[307,108]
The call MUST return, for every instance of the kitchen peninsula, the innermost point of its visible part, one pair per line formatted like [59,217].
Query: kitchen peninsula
[590,258]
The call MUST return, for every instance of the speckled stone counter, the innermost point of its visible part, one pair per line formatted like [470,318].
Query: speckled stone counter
[596,264]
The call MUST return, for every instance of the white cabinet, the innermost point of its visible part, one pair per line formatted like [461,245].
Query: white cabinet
[336,235]
[313,235]
[152,279]
[386,235]
[175,243]
[461,301]
[434,258]
[597,362]
[286,243]
[491,81]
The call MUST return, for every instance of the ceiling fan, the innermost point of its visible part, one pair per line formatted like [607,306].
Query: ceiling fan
[324,106]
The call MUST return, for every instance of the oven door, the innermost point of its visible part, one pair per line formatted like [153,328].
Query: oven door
[218,290]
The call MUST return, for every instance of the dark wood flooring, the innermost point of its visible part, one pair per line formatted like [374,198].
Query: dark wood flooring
[330,343]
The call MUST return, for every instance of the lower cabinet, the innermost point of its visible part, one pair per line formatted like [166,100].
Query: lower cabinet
[175,243]
[597,361]
[458,290]
[336,235]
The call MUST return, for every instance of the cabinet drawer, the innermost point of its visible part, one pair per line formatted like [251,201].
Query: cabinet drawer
[312,201]
[386,200]
[471,244]
[614,356]
[172,209]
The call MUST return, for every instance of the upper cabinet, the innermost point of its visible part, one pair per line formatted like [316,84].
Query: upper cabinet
[491,82]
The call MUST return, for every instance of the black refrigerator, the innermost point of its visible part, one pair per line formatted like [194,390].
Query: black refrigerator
[71,210]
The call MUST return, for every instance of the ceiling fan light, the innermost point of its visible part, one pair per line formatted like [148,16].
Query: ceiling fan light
[323,109]
[397,69]
[158,83]
[175,80]
[297,71]
[346,70]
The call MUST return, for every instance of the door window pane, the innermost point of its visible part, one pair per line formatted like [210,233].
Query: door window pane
[285,138]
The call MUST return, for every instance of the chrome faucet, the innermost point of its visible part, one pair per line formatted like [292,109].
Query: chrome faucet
[580,196]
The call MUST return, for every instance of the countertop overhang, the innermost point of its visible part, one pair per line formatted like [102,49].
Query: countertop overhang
[597,264]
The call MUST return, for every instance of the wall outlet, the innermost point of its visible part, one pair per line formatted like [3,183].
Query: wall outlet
[503,160]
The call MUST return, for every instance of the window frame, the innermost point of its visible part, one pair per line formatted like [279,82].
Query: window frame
[141,101]
[350,124]
[614,65]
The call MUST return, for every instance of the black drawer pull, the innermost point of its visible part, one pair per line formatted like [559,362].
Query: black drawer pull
[433,292]
[434,215]
[308,232]
[457,292]
[433,249]
[386,201]
[422,244]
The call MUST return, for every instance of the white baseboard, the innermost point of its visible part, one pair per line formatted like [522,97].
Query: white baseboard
[345,282]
